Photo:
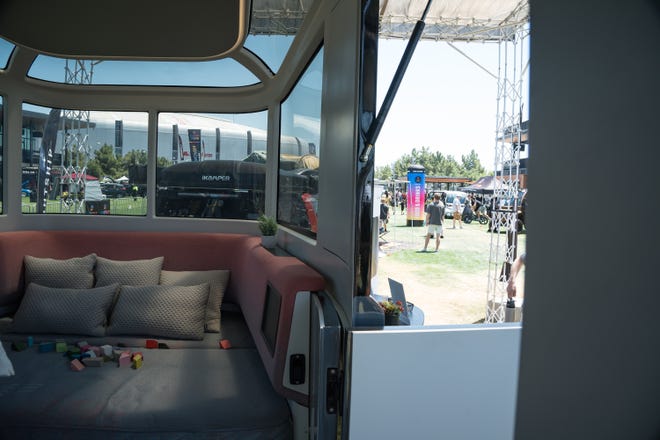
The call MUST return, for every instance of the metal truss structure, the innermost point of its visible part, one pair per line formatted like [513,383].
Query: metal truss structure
[511,136]
[75,142]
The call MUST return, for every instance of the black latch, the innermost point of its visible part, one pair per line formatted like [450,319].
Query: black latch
[297,369]
[332,390]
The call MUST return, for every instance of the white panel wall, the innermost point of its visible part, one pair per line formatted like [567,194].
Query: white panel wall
[434,383]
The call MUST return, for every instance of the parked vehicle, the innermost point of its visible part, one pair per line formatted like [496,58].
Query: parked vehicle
[114,190]
[449,202]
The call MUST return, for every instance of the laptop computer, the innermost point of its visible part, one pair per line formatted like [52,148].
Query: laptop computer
[398,294]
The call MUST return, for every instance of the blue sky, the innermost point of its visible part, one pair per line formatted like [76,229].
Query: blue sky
[445,102]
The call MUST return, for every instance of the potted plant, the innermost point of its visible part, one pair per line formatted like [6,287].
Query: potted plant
[392,311]
[268,228]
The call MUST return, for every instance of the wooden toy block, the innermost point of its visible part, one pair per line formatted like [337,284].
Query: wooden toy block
[93,362]
[151,343]
[224,343]
[45,347]
[76,365]
[60,346]
[19,346]
[125,359]
[137,360]
[107,350]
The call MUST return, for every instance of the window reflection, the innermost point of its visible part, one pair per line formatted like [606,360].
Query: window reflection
[211,165]
[297,204]
[83,162]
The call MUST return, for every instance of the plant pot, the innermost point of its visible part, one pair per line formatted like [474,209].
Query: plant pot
[391,319]
[269,241]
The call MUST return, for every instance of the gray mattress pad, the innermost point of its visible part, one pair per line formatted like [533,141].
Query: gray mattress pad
[192,390]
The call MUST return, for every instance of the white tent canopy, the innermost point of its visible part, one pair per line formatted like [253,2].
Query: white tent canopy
[453,20]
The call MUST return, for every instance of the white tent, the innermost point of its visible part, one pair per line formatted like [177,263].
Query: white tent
[451,20]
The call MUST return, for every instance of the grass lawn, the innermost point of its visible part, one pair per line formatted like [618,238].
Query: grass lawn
[450,286]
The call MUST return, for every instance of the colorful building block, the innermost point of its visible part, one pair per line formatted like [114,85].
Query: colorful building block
[45,347]
[93,361]
[60,346]
[151,343]
[125,359]
[107,350]
[76,365]
[137,360]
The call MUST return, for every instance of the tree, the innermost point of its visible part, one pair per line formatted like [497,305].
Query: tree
[134,157]
[435,164]
[105,163]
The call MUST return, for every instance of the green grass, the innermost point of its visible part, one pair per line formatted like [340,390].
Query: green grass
[120,206]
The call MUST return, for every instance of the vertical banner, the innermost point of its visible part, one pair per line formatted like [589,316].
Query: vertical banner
[44,180]
[416,196]
[177,153]
[195,143]
[119,138]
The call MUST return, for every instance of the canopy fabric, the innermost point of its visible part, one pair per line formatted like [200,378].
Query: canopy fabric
[483,185]
[452,20]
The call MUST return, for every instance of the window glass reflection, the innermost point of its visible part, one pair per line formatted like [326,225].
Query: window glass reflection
[211,165]
[83,162]
[300,148]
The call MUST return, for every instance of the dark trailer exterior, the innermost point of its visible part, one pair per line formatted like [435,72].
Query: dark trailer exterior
[212,188]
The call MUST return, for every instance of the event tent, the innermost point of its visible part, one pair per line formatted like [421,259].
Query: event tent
[483,185]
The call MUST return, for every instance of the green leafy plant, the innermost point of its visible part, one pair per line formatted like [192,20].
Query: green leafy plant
[267,225]
[391,308]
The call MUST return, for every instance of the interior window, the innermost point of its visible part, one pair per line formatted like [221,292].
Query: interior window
[225,72]
[83,162]
[211,165]
[6,48]
[270,48]
[300,147]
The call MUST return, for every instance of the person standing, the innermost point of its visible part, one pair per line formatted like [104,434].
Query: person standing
[435,212]
[384,213]
[458,212]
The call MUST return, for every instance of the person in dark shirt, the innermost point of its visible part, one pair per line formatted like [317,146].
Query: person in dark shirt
[435,212]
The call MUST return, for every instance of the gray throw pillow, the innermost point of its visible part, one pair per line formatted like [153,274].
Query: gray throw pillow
[176,312]
[74,273]
[217,281]
[64,311]
[129,272]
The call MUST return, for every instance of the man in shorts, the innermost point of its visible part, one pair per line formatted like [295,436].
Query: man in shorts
[435,212]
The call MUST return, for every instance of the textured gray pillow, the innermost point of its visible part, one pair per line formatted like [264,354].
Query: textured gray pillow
[64,311]
[161,311]
[128,273]
[74,273]
[217,281]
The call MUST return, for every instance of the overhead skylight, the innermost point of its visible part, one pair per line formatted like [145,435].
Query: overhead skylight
[225,72]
